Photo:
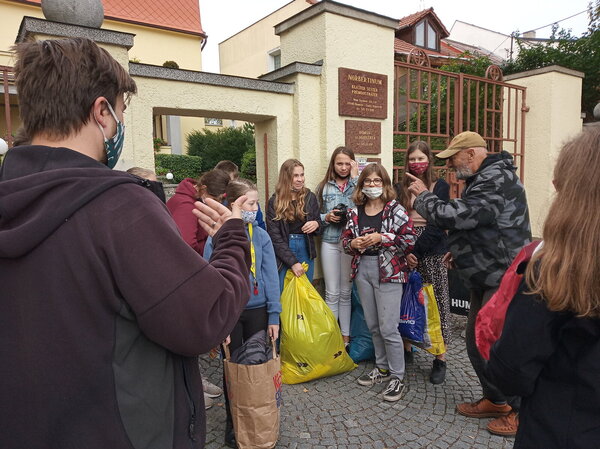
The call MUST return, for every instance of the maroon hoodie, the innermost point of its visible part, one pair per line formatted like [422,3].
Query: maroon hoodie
[181,205]
[102,308]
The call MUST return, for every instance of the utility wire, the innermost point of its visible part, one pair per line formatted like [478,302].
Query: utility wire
[557,21]
[513,35]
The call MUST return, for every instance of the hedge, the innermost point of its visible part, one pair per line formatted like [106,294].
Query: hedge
[181,166]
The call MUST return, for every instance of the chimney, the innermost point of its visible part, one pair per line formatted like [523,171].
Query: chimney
[528,35]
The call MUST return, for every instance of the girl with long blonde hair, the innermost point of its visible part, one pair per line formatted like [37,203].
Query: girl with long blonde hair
[293,219]
[549,351]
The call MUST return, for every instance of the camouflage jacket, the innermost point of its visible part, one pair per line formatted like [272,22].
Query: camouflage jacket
[397,240]
[487,226]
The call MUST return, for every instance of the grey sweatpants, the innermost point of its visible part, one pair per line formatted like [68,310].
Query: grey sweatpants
[381,305]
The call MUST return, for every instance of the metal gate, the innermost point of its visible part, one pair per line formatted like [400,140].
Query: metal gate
[7,88]
[434,105]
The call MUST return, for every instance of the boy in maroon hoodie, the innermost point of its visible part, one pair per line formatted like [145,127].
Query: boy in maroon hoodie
[103,306]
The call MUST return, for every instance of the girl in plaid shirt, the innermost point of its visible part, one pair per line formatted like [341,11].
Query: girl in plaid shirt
[378,235]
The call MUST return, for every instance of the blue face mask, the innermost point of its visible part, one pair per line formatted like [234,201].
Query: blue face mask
[249,216]
[114,145]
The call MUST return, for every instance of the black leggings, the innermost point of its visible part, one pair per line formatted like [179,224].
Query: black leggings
[251,321]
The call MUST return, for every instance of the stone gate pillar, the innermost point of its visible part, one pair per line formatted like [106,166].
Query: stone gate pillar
[554,117]
[343,61]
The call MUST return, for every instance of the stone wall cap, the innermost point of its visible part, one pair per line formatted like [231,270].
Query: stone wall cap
[293,69]
[214,79]
[339,9]
[550,68]
[33,25]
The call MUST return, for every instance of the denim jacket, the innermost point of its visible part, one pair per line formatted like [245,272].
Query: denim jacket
[332,196]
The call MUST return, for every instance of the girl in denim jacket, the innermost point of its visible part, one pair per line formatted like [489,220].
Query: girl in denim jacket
[335,197]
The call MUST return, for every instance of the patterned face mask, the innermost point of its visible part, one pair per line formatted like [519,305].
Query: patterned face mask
[114,145]
[249,216]
[418,168]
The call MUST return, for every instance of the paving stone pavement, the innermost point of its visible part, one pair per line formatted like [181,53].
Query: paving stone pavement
[336,412]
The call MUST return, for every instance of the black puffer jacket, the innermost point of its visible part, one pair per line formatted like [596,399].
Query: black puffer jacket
[552,360]
[280,234]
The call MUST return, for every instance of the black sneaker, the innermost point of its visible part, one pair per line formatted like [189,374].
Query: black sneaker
[394,391]
[409,356]
[438,372]
[376,376]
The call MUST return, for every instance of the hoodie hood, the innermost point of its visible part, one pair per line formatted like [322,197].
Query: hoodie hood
[503,159]
[41,187]
[187,187]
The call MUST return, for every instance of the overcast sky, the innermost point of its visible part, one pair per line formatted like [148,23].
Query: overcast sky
[223,18]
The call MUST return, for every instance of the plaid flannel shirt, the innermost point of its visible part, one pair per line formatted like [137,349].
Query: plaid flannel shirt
[397,240]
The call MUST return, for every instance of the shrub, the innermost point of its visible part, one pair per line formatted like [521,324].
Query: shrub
[223,144]
[180,165]
[170,65]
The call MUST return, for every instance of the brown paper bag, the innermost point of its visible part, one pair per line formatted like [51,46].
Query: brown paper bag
[254,393]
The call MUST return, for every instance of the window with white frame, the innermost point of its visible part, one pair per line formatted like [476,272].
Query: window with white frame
[274,59]
[426,36]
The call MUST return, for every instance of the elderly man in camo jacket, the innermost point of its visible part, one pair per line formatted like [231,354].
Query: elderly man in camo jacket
[487,227]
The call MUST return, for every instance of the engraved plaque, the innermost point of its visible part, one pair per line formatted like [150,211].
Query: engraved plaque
[363,137]
[362,94]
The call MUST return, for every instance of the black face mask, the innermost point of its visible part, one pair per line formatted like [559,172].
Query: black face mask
[341,177]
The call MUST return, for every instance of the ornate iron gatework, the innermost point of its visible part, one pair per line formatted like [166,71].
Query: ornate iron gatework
[434,105]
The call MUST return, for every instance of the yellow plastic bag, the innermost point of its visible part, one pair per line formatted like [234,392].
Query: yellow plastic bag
[311,341]
[434,324]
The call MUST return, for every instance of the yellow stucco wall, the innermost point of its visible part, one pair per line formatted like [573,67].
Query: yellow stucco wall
[245,53]
[11,15]
[151,45]
[554,100]
[155,46]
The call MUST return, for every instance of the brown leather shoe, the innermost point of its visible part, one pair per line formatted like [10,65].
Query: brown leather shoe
[505,426]
[483,408]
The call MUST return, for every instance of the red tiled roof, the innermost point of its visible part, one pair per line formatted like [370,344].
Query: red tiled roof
[177,15]
[413,19]
[446,50]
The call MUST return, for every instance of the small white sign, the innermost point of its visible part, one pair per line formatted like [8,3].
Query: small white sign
[362,163]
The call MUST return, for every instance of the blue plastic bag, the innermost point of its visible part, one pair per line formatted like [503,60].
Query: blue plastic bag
[361,344]
[413,316]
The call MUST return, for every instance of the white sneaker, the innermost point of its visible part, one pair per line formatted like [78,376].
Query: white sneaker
[208,402]
[210,389]
[373,377]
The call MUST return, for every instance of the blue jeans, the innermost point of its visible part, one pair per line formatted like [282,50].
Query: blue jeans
[298,243]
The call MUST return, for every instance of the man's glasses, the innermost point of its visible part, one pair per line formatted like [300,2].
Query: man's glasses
[377,182]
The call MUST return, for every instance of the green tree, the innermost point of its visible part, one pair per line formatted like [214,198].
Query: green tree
[582,54]
[223,144]
[248,167]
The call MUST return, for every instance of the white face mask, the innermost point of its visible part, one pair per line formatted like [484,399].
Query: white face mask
[372,192]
